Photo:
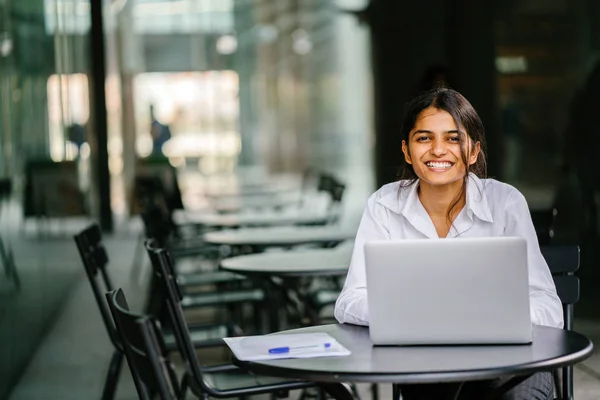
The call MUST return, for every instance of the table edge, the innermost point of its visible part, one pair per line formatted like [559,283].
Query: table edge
[288,274]
[427,377]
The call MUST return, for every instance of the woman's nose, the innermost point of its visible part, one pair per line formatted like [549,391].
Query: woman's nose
[438,148]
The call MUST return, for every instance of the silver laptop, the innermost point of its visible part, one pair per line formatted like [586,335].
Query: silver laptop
[448,291]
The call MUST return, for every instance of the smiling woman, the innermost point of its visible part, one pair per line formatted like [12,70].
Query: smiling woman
[442,193]
[442,141]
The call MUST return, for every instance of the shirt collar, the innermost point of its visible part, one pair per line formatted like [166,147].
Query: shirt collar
[406,200]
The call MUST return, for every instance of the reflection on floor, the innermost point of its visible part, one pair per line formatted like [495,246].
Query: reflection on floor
[47,269]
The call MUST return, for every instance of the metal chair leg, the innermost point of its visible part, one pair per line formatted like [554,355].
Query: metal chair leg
[395,392]
[374,391]
[567,383]
[338,391]
[557,383]
[112,376]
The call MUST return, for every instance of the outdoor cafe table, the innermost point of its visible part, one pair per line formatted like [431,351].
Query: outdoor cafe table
[258,219]
[258,239]
[294,268]
[234,205]
[241,192]
[313,262]
[551,348]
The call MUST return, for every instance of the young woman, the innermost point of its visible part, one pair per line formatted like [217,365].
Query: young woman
[441,193]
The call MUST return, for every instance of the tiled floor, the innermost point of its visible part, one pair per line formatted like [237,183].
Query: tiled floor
[72,361]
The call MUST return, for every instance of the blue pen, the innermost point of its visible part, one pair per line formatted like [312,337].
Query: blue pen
[283,350]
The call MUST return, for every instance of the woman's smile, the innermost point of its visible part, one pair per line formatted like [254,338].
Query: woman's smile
[439,166]
[435,148]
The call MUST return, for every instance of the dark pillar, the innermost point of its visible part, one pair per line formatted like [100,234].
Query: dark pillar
[471,53]
[407,37]
[98,69]
[245,65]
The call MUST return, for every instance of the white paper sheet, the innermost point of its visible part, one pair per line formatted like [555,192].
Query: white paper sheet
[273,347]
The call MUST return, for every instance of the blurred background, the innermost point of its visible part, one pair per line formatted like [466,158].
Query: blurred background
[96,93]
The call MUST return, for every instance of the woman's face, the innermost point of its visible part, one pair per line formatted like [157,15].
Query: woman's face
[433,148]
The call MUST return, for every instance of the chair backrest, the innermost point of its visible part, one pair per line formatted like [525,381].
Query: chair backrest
[336,190]
[544,223]
[160,170]
[310,179]
[153,373]
[157,221]
[95,261]
[563,262]
[162,265]
[324,182]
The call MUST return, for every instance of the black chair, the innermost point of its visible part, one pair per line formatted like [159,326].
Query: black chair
[159,226]
[156,210]
[563,262]
[328,289]
[336,191]
[234,300]
[224,381]
[152,372]
[95,261]
[182,241]
[544,222]
[327,294]
[329,184]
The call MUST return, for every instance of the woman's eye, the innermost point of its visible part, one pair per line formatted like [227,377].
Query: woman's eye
[454,139]
[422,138]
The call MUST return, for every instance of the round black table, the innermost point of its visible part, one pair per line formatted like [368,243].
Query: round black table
[551,348]
[312,262]
[262,238]
[295,270]
[264,219]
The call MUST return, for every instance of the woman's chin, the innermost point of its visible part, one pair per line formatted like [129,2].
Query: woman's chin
[441,179]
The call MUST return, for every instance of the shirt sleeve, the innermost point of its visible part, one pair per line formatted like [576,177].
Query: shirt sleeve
[545,305]
[351,306]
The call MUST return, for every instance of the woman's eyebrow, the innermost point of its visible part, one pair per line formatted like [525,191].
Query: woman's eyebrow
[421,131]
[430,132]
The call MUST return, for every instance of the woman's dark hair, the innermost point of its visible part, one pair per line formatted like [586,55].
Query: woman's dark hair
[468,123]
[435,76]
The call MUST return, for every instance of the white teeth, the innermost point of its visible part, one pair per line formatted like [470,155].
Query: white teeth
[438,164]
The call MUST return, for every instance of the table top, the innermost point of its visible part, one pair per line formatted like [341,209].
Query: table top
[551,348]
[292,263]
[231,205]
[251,191]
[258,219]
[279,236]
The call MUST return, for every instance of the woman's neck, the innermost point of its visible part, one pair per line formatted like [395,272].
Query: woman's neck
[437,200]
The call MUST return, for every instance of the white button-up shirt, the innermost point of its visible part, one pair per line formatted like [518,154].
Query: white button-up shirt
[492,209]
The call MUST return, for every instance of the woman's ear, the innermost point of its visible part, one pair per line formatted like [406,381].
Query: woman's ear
[405,151]
[474,153]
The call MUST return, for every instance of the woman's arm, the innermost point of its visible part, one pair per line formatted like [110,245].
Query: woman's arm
[546,307]
[351,305]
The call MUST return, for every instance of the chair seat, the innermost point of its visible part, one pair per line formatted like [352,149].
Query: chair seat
[208,278]
[206,336]
[238,379]
[220,298]
[192,247]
